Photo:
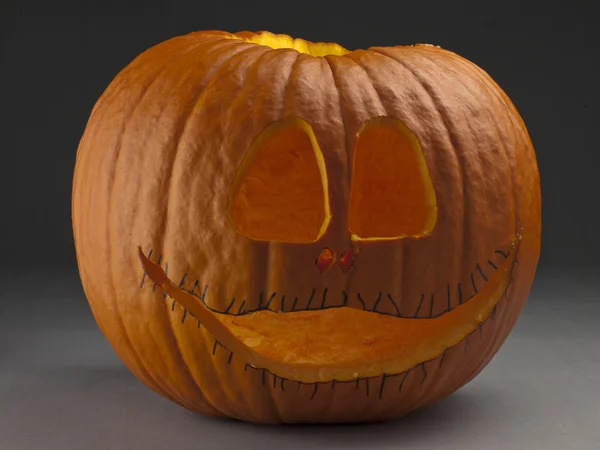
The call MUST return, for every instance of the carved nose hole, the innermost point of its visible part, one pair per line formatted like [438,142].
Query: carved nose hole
[347,260]
[325,260]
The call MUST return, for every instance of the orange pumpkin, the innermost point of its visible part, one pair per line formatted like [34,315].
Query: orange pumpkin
[324,235]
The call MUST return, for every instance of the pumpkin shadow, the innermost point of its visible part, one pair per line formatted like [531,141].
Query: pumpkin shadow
[463,411]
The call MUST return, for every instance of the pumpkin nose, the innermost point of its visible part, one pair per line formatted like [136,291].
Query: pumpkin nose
[325,260]
[347,260]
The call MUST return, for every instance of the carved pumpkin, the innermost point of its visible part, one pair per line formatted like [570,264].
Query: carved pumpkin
[324,235]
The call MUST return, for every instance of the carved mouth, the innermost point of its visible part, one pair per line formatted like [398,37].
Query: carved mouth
[309,345]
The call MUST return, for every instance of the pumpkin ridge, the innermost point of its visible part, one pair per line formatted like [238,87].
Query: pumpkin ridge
[208,77]
[329,60]
[355,58]
[469,67]
[139,361]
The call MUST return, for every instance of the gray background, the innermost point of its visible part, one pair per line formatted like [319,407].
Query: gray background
[62,387]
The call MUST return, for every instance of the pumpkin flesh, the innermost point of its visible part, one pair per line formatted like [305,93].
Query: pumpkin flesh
[391,194]
[280,193]
[283,41]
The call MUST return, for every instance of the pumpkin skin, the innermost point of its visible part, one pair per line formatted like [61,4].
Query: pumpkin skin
[162,149]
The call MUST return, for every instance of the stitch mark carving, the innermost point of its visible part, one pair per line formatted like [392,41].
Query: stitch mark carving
[145,274]
[478,267]
[182,282]
[419,307]
[383,377]
[267,306]
[230,305]
[403,380]
[167,274]
[473,284]
[312,295]
[324,298]
[241,308]
[364,307]
[314,391]
[500,252]
[157,262]
[376,302]
[345,301]
[260,300]
[431,306]
[393,303]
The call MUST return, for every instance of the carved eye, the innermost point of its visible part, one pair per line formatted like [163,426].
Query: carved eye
[280,192]
[391,195]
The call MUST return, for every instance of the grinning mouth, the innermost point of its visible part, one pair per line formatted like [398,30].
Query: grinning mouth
[332,341]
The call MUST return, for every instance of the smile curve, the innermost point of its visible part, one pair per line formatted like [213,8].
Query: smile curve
[256,336]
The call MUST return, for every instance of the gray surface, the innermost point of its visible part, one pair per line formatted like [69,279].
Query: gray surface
[62,387]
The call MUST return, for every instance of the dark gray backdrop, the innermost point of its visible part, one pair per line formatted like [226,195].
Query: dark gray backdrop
[57,58]
[62,386]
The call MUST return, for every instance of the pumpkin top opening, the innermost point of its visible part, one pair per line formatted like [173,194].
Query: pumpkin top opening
[278,41]
[391,193]
[281,190]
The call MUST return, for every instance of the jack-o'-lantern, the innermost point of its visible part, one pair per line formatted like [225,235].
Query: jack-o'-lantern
[324,235]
